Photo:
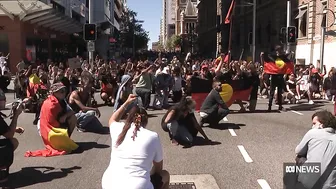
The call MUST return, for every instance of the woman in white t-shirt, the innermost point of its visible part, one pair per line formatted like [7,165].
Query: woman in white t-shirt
[136,158]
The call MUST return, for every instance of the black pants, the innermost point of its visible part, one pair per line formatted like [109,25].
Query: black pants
[277,81]
[177,95]
[216,117]
[4,82]
[145,96]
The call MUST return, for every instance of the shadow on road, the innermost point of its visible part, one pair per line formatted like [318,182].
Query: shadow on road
[200,141]
[307,107]
[226,126]
[85,146]
[33,175]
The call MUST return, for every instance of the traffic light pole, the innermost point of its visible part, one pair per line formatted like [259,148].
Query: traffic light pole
[254,31]
[323,31]
[91,13]
[289,11]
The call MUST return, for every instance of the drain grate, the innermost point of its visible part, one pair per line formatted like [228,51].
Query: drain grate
[182,185]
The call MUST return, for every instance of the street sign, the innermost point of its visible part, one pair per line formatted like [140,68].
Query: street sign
[90,46]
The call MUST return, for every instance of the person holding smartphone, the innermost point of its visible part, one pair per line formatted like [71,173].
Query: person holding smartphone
[8,143]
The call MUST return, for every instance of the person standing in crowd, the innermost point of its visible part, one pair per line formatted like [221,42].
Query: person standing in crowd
[8,144]
[80,102]
[144,80]
[3,59]
[319,146]
[136,157]
[277,80]
[181,124]
[213,108]
[178,85]
[333,88]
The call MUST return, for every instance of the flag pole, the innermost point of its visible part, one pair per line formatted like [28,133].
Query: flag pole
[230,34]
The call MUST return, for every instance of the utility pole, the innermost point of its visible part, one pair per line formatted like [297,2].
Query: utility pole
[133,46]
[323,31]
[289,11]
[91,21]
[254,31]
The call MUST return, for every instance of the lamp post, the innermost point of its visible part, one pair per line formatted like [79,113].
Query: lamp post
[324,26]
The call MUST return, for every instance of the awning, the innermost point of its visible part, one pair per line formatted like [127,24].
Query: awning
[301,13]
[41,15]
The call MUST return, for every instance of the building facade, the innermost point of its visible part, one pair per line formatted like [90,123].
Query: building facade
[308,22]
[206,28]
[271,17]
[38,30]
[164,22]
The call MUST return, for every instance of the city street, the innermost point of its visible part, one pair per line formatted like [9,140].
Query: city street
[252,149]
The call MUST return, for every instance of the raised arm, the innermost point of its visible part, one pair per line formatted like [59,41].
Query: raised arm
[117,115]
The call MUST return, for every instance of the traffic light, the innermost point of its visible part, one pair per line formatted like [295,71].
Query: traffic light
[282,35]
[291,34]
[90,32]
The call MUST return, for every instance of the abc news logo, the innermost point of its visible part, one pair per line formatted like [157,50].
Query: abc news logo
[314,168]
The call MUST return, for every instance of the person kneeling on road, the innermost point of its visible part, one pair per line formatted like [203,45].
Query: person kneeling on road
[213,108]
[8,143]
[56,124]
[79,102]
[181,124]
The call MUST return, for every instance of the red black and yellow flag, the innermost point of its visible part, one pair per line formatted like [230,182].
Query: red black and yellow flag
[274,64]
[231,91]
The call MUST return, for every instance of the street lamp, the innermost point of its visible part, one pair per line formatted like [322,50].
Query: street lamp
[323,32]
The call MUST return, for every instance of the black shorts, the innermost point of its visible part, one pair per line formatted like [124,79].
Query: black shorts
[6,157]
[156,180]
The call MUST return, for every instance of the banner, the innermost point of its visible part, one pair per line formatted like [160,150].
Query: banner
[74,63]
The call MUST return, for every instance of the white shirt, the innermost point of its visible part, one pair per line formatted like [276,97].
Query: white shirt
[132,161]
[178,83]
[2,61]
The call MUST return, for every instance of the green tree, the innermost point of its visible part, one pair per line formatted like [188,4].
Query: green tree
[131,30]
[176,41]
[169,44]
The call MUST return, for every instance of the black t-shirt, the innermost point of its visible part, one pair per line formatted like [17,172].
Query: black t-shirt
[3,126]
[315,79]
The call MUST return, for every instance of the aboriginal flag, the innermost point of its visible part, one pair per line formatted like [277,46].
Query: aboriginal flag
[274,64]
[231,90]
[219,59]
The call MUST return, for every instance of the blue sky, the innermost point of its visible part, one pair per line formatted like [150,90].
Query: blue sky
[149,11]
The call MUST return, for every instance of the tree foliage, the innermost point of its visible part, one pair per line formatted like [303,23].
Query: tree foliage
[133,30]
[176,40]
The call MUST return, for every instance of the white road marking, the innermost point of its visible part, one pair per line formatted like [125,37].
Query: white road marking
[232,132]
[263,183]
[9,104]
[296,112]
[246,156]
[225,119]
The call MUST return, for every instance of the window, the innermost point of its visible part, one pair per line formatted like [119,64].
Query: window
[302,18]
[324,21]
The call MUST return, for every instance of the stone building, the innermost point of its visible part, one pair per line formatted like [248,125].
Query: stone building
[308,22]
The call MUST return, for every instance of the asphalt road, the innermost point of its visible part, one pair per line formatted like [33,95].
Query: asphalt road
[268,139]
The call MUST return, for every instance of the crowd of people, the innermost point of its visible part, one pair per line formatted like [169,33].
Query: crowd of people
[62,98]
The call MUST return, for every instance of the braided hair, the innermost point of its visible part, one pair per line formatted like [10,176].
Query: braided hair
[137,116]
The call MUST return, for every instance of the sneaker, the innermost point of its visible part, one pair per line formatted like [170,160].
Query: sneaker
[81,130]
[311,102]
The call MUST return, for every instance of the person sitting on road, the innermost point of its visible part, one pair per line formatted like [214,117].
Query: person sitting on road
[318,146]
[80,101]
[125,89]
[8,144]
[56,124]
[136,158]
[181,124]
[106,92]
[213,108]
